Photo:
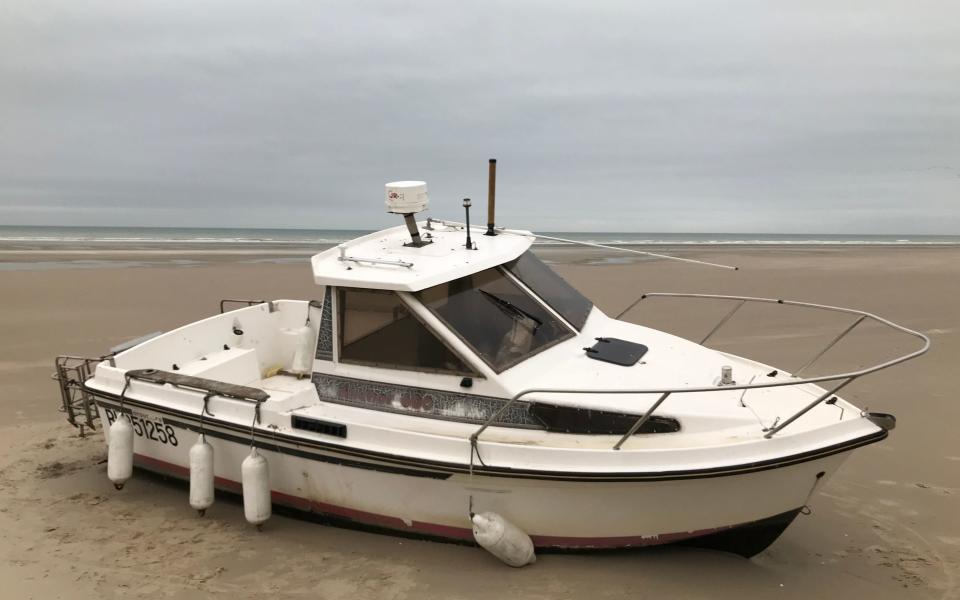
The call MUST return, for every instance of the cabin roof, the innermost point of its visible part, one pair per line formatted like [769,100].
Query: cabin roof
[446,258]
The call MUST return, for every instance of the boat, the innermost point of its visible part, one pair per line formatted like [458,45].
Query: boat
[443,369]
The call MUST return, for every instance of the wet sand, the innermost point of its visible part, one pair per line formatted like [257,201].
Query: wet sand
[887,526]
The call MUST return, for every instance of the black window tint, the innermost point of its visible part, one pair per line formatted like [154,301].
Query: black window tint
[553,289]
[495,317]
[377,328]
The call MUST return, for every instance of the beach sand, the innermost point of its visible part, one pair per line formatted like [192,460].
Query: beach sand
[886,526]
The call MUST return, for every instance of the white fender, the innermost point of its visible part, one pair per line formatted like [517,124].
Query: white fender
[303,355]
[256,488]
[120,451]
[201,475]
[503,539]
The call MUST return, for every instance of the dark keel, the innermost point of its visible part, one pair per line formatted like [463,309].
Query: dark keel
[746,540]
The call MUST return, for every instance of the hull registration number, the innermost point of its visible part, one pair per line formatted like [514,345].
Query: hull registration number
[148,429]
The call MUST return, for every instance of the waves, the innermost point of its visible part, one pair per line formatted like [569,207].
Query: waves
[149,236]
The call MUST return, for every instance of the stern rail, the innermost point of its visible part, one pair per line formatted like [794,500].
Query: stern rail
[76,402]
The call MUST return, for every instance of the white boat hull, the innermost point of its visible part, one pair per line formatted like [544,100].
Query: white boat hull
[742,512]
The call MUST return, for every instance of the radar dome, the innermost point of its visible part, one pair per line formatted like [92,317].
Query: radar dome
[407,197]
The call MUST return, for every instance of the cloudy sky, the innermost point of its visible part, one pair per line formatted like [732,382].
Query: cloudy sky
[663,115]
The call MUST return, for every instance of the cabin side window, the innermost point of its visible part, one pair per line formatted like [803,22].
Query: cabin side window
[377,329]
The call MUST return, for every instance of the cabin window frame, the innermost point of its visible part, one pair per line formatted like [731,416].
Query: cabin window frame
[563,312]
[341,314]
[572,331]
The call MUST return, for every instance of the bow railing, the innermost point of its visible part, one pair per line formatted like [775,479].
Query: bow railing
[842,379]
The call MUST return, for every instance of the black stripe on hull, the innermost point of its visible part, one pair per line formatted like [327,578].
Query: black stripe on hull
[442,470]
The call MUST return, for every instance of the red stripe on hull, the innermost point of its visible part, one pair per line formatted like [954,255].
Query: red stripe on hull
[429,529]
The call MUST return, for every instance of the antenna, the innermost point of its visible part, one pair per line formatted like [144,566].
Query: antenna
[593,245]
[466,205]
[619,249]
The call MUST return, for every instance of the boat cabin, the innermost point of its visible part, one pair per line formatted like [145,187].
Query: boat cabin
[503,313]
[449,319]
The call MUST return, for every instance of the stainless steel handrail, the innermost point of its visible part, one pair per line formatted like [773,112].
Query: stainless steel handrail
[666,392]
[224,302]
[373,261]
[70,374]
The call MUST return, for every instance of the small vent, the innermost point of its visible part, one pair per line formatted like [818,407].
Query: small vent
[316,426]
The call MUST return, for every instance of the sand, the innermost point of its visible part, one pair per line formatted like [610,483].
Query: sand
[887,526]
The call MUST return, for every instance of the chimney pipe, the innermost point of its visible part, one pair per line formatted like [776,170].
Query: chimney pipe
[491,197]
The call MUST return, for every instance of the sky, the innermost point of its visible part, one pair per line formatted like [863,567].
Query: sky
[655,116]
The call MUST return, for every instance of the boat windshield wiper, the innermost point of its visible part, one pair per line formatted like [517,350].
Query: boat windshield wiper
[510,308]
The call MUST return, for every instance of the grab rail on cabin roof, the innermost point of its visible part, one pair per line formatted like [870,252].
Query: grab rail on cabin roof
[844,378]
[359,260]
[224,301]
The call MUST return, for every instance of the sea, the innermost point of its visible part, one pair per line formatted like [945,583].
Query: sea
[18,236]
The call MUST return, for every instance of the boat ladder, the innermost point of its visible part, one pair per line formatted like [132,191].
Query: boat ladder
[77,402]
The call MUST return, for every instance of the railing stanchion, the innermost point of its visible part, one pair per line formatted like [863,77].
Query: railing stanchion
[629,308]
[646,417]
[833,343]
[722,321]
[807,408]
[493,417]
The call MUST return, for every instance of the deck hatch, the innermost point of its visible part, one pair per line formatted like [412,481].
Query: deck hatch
[318,426]
[616,351]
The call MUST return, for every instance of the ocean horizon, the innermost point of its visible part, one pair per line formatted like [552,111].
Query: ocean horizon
[57,235]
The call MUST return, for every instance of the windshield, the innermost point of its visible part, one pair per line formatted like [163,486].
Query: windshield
[560,295]
[495,317]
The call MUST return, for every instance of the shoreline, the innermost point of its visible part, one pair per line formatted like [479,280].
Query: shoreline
[232,246]
[56,257]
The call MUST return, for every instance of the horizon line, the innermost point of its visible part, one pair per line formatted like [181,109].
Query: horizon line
[362,229]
